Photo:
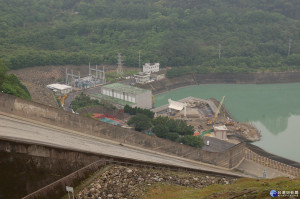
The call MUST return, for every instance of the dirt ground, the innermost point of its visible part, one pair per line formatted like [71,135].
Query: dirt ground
[197,118]
[37,78]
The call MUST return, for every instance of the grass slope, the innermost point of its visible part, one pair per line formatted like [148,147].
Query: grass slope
[242,188]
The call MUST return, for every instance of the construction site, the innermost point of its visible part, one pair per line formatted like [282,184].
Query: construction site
[209,118]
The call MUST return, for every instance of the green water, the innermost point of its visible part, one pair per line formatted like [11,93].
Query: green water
[273,108]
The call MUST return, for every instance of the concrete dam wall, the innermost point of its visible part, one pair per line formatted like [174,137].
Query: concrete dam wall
[25,168]
[53,116]
[229,158]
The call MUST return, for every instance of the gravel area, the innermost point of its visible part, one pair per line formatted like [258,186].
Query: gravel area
[132,182]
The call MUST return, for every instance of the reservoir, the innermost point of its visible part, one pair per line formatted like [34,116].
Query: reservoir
[273,108]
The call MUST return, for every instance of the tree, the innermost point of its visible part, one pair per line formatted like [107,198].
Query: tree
[172,136]
[172,125]
[161,131]
[10,84]
[127,109]
[3,70]
[137,110]
[160,120]
[183,128]
[141,122]
[83,100]
[192,141]
[175,33]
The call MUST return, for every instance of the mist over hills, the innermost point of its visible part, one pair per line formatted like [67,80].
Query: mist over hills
[251,35]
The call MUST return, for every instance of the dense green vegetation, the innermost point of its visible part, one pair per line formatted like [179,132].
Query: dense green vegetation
[10,84]
[176,130]
[140,121]
[137,110]
[167,128]
[83,100]
[254,35]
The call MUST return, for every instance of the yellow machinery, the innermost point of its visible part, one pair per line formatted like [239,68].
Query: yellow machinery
[63,100]
[230,123]
[153,100]
[212,122]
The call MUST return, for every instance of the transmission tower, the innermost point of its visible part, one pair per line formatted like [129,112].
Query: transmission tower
[120,64]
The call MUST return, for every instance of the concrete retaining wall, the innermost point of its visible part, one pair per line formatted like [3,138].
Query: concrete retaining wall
[25,168]
[224,78]
[262,160]
[44,172]
[58,188]
[41,113]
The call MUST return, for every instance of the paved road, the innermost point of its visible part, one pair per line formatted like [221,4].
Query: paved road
[15,129]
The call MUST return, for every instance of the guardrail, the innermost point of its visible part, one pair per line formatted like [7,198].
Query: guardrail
[279,166]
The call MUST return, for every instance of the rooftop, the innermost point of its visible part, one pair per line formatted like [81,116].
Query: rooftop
[125,88]
[215,145]
[58,86]
[220,128]
[176,105]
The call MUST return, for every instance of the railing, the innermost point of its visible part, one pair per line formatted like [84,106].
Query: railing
[284,168]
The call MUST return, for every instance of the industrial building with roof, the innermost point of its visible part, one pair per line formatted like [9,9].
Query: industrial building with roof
[60,89]
[125,94]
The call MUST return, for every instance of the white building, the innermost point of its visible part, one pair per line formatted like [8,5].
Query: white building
[60,89]
[158,75]
[220,132]
[151,68]
[142,78]
[136,96]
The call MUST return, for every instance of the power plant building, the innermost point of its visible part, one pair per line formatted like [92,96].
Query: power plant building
[133,95]
[60,89]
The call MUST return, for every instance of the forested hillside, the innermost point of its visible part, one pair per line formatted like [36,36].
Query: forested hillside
[9,83]
[251,34]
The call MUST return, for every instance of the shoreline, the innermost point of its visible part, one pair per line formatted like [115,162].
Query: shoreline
[169,84]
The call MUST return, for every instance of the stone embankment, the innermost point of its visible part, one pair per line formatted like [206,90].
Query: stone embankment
[132,182]
[167,84]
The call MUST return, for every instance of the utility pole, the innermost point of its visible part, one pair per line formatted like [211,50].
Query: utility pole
[139,60]
[290,44]
[67,82]
[219,51]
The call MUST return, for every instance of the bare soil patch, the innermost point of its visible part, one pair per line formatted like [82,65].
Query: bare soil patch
[37,78]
